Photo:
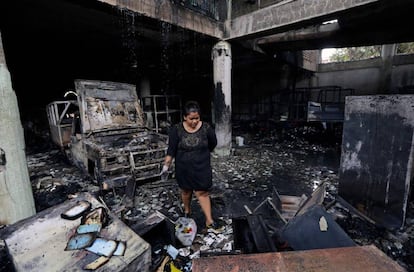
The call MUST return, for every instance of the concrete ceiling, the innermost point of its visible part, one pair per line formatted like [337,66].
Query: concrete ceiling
[48,44]
[382,22]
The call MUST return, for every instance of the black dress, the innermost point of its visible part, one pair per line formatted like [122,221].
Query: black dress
[192,156]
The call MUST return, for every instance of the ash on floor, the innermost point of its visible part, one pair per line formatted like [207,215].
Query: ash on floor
[292,164]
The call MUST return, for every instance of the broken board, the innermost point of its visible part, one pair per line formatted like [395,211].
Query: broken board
[291,205]
[38,243]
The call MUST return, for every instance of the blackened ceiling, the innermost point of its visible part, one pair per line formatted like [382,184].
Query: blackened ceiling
[48,44]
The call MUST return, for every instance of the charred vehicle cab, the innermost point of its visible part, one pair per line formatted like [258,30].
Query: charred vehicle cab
[103,133]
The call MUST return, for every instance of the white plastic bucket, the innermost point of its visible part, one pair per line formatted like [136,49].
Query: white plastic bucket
[239,141]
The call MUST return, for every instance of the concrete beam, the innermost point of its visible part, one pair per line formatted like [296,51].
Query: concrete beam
[166,11]
[313,32]
[272,18]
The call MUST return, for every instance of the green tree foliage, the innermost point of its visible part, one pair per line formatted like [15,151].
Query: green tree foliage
[355,53]
[405,48]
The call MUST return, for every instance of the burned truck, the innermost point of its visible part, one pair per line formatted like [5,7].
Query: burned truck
[103,133]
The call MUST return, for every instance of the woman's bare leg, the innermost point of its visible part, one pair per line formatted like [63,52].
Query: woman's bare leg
[205,203]
[186,196]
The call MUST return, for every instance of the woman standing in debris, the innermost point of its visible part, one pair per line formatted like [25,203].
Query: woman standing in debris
[190,143]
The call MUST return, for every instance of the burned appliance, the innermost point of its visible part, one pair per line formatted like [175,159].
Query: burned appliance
[103,133]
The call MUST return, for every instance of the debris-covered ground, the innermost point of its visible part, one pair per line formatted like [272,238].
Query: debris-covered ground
[294,164]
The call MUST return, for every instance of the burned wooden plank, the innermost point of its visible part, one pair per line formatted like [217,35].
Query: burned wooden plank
[316,198]
[291,205]
[251,235]
[345,259]
[260,234]
[96,263]
[276,199]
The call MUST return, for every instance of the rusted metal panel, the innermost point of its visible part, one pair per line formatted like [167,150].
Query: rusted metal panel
[356,259]
[108,105]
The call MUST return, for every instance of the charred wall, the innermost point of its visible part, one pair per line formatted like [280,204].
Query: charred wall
[50,44]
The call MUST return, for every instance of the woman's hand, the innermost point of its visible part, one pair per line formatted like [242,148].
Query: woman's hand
[167,160]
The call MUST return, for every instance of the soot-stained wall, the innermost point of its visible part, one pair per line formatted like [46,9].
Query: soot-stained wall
[377,156]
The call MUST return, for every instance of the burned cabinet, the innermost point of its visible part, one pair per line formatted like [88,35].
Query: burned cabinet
[377,156]
[112,144]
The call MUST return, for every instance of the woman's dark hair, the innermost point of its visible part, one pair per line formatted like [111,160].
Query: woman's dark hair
[191,106]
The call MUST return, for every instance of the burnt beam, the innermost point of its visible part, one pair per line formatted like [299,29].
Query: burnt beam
[277,17]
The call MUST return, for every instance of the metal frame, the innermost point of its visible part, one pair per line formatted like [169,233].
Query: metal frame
[152,105]
[55,117]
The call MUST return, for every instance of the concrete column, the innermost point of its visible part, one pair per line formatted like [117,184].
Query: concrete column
[387,55]
[16,197]
[221,55]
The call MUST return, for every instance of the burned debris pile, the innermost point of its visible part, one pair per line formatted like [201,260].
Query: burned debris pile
[54,180]
[265,193]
